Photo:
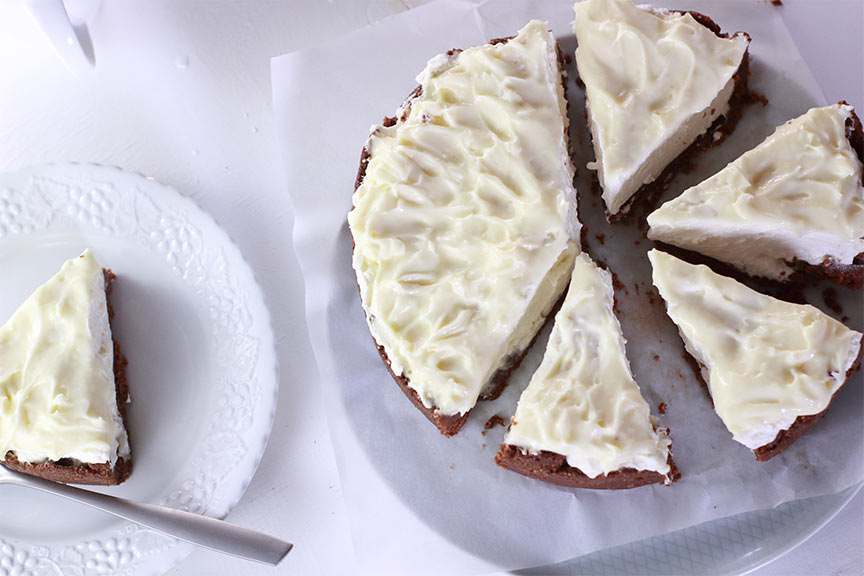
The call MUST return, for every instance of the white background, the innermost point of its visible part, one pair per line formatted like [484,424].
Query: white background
[181,92]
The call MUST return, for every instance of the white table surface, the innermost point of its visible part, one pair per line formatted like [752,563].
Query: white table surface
[181,92]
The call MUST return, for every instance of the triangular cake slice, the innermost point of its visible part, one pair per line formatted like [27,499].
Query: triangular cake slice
[656,81]
[63,388]
[792,206]
[463,221]
[582,420]
[772,367]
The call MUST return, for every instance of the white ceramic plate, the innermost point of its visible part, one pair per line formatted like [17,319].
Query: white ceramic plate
[202,365]
[726,547]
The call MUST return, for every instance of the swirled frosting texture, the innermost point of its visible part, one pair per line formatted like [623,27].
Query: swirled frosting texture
[765,361]
[57,394]
[797,195]
[583,402]
[654,82]
[462,234]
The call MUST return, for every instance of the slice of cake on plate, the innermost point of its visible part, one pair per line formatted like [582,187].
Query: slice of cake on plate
[772,367]
[658,83]
[791,207]
[463,231]
[582,420]
[63,388]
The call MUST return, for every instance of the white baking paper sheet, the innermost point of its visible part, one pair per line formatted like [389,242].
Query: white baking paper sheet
[420,503]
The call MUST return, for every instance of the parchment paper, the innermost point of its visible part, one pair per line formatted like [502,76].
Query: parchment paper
[420,503]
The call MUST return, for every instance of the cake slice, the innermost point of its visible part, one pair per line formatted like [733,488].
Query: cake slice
[657,83]
[791,207]
[772,368]
[462,226]
[63,389]
[582,420]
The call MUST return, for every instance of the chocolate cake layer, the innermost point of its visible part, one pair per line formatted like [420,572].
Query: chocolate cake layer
[553,468]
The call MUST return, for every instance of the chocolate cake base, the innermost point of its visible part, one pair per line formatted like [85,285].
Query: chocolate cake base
[553,468]
[449,425]
[646,198]
[69,471]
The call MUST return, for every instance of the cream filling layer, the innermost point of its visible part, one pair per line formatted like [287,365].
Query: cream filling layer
[583,401]
[57,392]
[766,362]
[798,195]
[463,230]
[654,81]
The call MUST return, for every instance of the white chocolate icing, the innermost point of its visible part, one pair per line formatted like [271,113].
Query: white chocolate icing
[583,402]
[797,195]
[463,237]
[57,393]
[766,362]
[654,81]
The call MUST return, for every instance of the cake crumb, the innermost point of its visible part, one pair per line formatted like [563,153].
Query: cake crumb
[483,445]
[662,407]
[829,296]
[656,358]
[617,284]
[601,238]
[753,97]
[775,3]
[493,421]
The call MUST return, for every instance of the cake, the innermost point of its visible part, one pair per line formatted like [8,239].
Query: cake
[659,85]
[791,207]
[63,390]
[772,368]
[582,421]
[463,221]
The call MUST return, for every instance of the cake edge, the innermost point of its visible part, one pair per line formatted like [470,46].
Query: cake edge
[553,468]
[101,474]
[450,425]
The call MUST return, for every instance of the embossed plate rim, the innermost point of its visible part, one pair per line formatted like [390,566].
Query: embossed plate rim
[244,319]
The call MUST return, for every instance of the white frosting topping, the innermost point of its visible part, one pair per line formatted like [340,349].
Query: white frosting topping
[654,81]
[583,402]
[766,361]
[57,394]
[798,195]
[462,232]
